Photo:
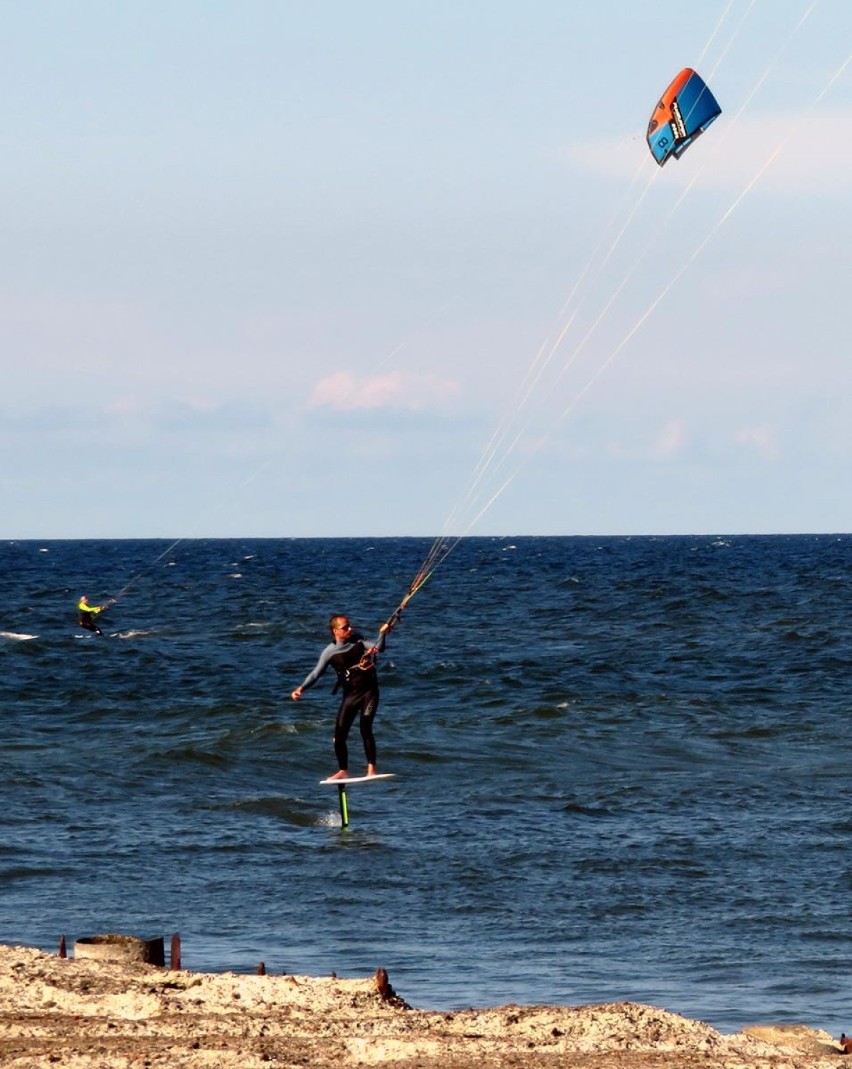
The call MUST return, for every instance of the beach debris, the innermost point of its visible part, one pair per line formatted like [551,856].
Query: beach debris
[386,993]
[383,984]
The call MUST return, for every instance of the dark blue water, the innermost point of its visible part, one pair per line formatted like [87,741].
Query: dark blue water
[623,766]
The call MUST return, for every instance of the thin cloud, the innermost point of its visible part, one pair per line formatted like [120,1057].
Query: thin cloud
[179,415]
[670,441]
[761,439]
[398,390]
[201,414]
[52,419]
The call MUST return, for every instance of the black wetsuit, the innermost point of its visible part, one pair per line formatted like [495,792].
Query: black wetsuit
[359,681]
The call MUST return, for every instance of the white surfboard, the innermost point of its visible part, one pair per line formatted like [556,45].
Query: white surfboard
[356,779]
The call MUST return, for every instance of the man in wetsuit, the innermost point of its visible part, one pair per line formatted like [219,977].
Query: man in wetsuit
[354,663]
[86,614]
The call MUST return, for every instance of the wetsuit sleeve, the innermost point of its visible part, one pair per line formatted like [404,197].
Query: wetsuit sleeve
[321,665]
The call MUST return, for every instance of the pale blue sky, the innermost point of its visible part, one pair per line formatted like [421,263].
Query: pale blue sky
[274,269]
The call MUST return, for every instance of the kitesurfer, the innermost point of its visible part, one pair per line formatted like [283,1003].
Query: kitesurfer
[354,663]
[87,613]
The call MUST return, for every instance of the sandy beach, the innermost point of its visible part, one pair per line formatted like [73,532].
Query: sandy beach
[86,1013]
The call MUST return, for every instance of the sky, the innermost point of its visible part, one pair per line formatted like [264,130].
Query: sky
[285,269]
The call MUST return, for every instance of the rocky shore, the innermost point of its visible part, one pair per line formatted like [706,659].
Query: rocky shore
[82,1014]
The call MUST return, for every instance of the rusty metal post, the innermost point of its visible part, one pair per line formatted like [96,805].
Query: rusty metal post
[174,955]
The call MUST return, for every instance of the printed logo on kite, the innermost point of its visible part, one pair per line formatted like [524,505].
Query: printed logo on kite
[685,110]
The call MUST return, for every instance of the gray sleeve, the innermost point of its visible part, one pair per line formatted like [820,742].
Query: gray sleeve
[320,667]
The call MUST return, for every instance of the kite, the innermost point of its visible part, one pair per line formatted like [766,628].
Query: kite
[685,110]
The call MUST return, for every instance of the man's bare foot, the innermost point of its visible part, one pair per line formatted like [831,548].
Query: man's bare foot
[371,770]
[342,774]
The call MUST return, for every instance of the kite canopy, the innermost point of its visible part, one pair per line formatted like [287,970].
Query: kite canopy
[685,110]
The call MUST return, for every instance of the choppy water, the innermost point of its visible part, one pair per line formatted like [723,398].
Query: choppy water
[622,766]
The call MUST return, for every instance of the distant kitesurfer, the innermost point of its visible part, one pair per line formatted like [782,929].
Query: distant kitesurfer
[86,614]
[354,663]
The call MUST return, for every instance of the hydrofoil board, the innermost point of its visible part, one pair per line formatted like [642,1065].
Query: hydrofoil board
[356,779]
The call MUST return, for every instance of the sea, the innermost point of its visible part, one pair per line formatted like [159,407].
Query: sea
[622,766]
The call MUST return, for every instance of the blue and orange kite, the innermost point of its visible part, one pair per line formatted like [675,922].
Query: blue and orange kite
[685,110]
